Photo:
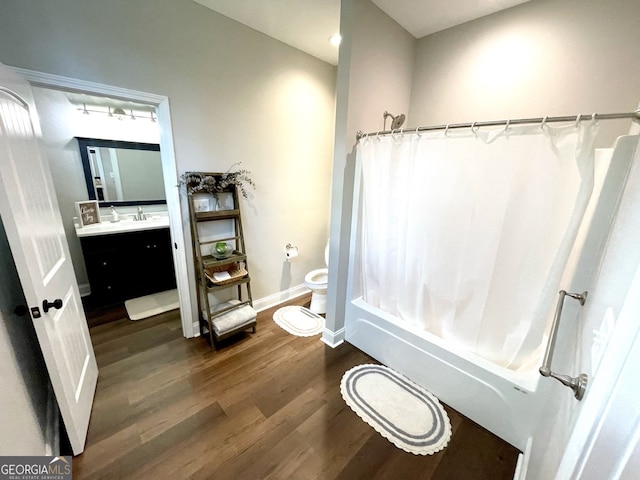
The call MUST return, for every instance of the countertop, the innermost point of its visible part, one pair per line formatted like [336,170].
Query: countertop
[126,224]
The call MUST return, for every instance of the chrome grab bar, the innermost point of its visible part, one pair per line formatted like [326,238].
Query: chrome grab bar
[577,384]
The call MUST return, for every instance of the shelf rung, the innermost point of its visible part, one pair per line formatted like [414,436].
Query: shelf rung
[211,261]
[209,242]
[217,215]
[228,309]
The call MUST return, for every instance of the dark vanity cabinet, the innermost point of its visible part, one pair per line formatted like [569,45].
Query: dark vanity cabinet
[122,266]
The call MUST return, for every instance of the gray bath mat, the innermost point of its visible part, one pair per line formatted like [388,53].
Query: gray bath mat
[401,411]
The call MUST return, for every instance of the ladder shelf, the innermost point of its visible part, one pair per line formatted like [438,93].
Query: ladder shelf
[222,319]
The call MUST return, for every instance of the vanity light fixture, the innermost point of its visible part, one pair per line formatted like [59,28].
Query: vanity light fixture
[118,112]
[335,39]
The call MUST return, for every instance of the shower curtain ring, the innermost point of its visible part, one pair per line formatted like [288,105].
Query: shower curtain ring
[578,120]
[446,130]
[474,128]
[594,117]
[506,125]
[544,122]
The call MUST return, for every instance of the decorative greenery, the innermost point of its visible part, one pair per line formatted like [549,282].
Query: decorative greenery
[196,182]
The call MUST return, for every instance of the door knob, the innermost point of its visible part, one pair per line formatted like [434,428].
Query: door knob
[46,305]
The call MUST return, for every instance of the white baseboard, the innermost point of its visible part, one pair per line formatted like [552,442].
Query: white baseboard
[280,297]
[333,339]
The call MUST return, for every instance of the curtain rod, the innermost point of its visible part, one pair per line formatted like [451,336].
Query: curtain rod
[518,121]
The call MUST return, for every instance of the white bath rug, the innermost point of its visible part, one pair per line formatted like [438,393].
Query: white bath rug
[401,411]
[150,305]
[299,321]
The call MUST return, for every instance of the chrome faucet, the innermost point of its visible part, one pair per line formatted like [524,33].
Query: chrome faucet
[140,215]
[115,217]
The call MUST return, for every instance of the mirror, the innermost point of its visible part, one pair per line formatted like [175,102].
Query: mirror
[122,173]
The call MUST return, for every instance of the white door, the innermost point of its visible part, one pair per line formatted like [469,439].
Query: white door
[604,440]
[597,339]
[31,217]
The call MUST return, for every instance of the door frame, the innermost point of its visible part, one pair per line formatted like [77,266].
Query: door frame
[169,169]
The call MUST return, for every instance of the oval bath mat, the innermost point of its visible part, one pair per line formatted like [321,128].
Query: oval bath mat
[299,321]
[401,411]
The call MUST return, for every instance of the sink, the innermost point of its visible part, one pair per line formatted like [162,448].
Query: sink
[126,224]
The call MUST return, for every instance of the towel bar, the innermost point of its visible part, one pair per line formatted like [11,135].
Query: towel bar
[577,384]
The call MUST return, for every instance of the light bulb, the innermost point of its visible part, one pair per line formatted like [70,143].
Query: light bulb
[335,39]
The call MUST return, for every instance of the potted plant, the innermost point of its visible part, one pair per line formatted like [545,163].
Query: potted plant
[197,182]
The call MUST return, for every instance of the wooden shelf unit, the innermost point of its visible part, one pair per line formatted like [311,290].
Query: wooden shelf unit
[204,261]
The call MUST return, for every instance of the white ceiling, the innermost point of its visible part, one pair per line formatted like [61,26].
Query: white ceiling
[308,24]
[424,17]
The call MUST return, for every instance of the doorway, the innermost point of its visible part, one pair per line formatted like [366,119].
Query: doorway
[159,104]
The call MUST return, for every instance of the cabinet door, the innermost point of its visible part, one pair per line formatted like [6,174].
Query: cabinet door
[153,270]
[128,265]
[107,276]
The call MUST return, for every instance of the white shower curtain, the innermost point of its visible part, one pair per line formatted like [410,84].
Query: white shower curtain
[467,234]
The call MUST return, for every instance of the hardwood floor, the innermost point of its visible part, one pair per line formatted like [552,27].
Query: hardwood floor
[266,405]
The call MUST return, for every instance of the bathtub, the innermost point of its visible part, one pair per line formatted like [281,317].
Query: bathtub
[505,402]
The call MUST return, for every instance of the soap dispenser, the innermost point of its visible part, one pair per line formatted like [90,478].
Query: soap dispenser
[114,215]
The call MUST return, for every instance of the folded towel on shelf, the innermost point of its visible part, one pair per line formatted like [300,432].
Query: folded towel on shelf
[220,276]
[233,319]
[225,274]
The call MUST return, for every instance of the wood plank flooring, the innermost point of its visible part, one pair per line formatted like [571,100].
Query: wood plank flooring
[266,405]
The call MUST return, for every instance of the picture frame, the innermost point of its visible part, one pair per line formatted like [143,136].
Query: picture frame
[88,213]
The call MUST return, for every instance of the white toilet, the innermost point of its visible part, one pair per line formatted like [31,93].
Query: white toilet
[316,281]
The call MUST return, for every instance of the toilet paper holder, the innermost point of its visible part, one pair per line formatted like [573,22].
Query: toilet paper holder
[290,252]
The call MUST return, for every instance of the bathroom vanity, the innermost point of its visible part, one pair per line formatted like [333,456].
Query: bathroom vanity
[127,259]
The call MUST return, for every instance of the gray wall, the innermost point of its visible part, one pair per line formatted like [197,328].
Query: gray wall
[374,75]
[235,95]
[544,57]
[23,375]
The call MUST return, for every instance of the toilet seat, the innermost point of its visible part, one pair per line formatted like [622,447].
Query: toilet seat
[317,277]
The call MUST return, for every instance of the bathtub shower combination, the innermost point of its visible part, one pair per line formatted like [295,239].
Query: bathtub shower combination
[461,239]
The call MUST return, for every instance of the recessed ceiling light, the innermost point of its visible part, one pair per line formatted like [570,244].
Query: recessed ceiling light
[335,39]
